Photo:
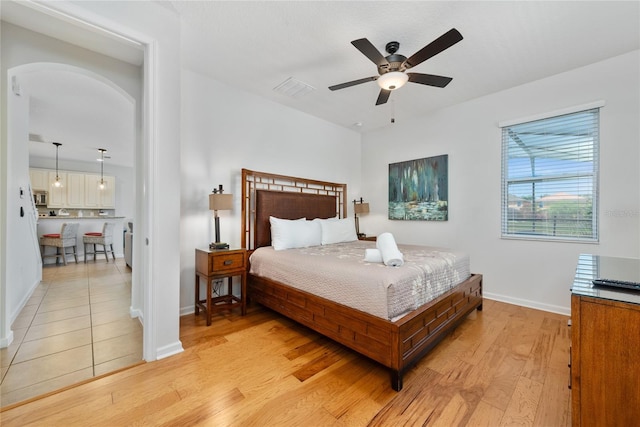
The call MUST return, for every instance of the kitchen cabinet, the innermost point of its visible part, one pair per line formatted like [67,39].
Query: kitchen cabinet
[96,198]
[108,195]
[78,191]
[75,189]
[39,179]
[91,195]
[57,195]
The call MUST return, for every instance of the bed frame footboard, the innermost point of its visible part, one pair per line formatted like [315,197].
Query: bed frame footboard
[397,345]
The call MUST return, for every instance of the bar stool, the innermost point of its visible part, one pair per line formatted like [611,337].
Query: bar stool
[105,239]
[66,239]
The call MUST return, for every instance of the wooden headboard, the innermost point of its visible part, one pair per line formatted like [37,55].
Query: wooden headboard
[265,194]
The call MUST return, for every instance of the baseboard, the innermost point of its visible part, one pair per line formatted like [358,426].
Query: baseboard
[16,312]
[6,341]
[187,310]
[169,350]
[529,304]
[135,312]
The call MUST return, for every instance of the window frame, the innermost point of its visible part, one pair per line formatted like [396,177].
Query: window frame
[506,181]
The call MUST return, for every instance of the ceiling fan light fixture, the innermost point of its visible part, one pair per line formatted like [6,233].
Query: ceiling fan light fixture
[392,80]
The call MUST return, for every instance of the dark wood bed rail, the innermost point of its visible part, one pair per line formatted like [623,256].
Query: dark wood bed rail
[397,344]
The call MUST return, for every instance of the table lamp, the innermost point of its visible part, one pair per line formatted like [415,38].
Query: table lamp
[359,207]
[219,202]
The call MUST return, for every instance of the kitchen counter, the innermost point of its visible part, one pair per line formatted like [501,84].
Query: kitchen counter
[79,217]
[53,224]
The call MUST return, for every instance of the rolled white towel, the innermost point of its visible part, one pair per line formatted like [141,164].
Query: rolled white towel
[391,255]
[372,255]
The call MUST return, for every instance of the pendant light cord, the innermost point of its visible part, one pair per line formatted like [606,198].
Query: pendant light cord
[102,150]
[57,144]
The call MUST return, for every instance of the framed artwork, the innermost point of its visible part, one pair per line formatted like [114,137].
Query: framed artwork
[418,189]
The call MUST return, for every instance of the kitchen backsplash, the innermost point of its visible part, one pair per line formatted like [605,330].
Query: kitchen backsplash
[44,212]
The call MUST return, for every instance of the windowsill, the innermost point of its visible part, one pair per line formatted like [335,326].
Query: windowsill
[550,239]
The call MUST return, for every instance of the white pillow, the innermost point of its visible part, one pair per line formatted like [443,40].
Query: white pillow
[337,231]
[334,218]
[298,233]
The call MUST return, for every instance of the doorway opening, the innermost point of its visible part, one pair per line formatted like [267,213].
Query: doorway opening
[142,302]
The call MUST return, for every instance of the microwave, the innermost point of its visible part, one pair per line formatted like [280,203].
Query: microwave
[40,198]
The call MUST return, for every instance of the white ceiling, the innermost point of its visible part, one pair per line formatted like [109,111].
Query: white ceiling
[81,112]
[255,46]
[70,105]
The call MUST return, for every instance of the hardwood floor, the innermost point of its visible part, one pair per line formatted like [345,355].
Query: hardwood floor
[506,365]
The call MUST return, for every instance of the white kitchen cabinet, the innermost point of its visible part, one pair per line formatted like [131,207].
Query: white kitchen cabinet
[57,195]
[108,194]
[39,179]
[75,190]
[96,198]
[91,195]
[78,191]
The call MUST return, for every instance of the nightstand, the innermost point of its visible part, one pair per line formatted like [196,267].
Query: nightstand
[212,265]
[368,238]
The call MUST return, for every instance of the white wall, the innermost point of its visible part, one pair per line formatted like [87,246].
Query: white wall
[156,250]
[22,46]
[156,247]
[224,130]
[24,271]
[529,273]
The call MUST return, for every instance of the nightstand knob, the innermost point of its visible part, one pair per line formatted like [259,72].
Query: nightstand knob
[228,262]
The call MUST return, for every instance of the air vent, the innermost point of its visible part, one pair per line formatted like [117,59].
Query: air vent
[293,88]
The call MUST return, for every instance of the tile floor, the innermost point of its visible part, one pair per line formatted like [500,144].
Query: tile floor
[75,326]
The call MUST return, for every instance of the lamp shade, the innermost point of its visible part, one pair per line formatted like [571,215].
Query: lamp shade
[392,80]
[361,208]
[220,202]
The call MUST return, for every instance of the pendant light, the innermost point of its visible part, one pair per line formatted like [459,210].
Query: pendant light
[58,182]
[101,185]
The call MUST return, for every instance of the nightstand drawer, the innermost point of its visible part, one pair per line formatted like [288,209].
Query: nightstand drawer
[221,262]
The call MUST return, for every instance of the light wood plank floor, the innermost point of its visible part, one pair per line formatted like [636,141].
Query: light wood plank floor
[506,365]
[75,326]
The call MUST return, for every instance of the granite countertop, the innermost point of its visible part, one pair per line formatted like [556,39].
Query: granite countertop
[80,217]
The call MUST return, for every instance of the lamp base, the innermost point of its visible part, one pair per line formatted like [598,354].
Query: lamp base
[218,245]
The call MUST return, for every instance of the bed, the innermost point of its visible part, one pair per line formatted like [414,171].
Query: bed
[397,343]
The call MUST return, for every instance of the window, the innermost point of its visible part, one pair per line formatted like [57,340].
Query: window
[550,178]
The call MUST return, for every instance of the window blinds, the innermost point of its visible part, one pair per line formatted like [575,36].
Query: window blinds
[550,177]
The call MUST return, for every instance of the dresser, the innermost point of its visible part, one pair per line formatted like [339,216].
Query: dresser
[213,266]
[605,350]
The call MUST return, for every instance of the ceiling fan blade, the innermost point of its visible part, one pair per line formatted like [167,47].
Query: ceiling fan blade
[429,79]
[370,51]
[383,97]
[443,42]
[353,83]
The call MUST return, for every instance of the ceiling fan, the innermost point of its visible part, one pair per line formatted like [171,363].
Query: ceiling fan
[392,67]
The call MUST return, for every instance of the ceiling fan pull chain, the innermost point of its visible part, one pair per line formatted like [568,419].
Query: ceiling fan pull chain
[393,111]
